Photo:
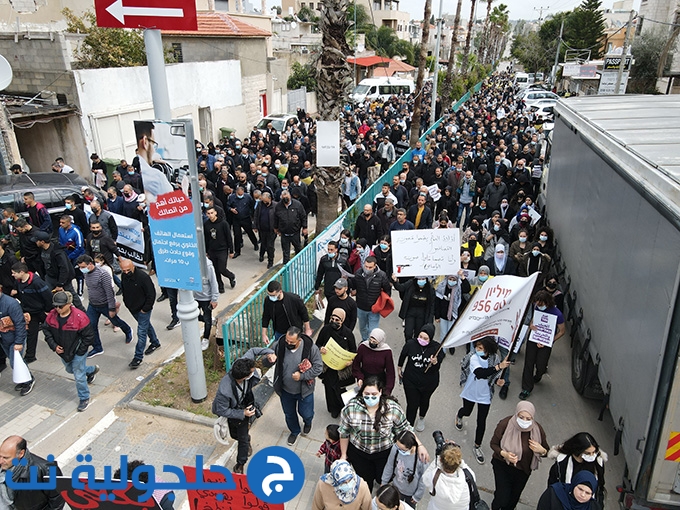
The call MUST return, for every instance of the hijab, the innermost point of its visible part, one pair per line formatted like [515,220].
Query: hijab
[499,261]
[344,480]
[512,437]
[379,335]
[454,296]
[565,491]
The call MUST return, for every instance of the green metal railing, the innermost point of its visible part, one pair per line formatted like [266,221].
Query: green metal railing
[243,329]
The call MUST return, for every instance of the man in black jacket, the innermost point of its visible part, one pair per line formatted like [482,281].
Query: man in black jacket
[36,300]
[368,226]
[329,270]
[68,332]
[240,205]
[139,295]
[263,221]
[218,246]
[289,219]
[14,447]
[283,310]
[30,253]
[367,284]
[59,271]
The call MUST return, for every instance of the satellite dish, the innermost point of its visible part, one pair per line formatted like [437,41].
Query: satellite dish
[5,73]
[293,25]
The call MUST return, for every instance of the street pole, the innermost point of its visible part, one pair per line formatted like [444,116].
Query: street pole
[626,41]
[557,56]
[187,308]
[440,22]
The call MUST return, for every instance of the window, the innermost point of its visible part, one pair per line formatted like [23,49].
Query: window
[176,49]
[8,200]
[376,5]
[311,5]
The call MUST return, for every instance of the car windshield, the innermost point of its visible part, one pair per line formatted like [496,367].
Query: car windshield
[361,89]
[276,124]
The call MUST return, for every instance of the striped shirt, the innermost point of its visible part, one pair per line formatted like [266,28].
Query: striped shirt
[357,425]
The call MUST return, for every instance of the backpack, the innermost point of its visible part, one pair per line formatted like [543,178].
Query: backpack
[476,502]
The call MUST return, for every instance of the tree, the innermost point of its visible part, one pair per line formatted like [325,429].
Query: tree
[104,47]
[468,38]
[586,27]
[531,52]
[385,43]
[647,49]
[447,87]
[417,103]
[307,14]
[334,82]
[499,30]
[302,76]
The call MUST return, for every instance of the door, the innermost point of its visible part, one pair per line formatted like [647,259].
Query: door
[205,124]
[263,103]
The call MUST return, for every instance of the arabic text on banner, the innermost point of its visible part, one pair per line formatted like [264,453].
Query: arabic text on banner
[336,357]
[429,252]
[545,324]
[130,239]
[495,310]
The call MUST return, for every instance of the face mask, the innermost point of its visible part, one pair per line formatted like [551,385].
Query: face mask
[483,278]
[259,172]
[481,354]
[543,238]
[452,283]
[422,342]
[98,264]
[368,272]
[206,204]
[9,220]
[402,182]
[522,239]
[373,345]
[421,283]
[286,200]
[290,347]
[551,286]
[423,194]
[68,206]
[524,424]
[384,247]
[406,454]
[344,242]
[131,172]
[496,228]
[367,214]
[331,255]
[277,165]
[127,194]
[371,400]
[589,458]
[84,270]
[240,196]
[284,188]
[335,325]
[541,308]
[535,253]
[482,207]
[273,298]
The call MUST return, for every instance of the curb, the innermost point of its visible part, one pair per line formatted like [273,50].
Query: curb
[168,412]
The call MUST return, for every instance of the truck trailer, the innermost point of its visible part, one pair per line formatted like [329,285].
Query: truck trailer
[612,194]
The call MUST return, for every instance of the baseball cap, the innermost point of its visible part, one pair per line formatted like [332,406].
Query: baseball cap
[340,283]
[40,236]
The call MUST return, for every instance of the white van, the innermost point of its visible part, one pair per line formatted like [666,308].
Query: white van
[381,88]
[521,80]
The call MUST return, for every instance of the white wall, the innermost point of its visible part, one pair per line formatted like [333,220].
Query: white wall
[111,98]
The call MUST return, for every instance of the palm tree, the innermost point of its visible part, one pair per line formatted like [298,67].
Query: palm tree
[448,81]
[334,82]
[499,30]
[468,38]
[417,104]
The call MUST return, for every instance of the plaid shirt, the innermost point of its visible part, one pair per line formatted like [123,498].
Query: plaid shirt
[357,425]
[331,451]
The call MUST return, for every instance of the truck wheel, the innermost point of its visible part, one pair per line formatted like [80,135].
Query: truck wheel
[579,368]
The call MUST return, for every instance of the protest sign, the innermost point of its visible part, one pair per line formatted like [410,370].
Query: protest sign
[428,252]
[174,241]
[545,324]
[101,499]
[495,310]
[130,239]
[331,233]
[434,192]
[336,357]
[240,498]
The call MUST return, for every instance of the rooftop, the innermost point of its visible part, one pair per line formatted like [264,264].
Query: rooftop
[220,24]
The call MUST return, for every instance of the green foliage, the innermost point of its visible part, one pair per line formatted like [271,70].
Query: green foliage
[384,42]
[363,19]
[301,76]
[586,27]
[647,51]
[531,52]
[307,14]
[105,47]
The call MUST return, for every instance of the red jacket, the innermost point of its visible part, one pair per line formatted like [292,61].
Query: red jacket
[75,337]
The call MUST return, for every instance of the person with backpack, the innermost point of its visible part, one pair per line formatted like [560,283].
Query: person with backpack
[445,479]
[404,469]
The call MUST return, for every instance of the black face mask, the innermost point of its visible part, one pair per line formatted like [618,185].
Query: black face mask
[290,347]
[472,244]
[285,200]
[336,325]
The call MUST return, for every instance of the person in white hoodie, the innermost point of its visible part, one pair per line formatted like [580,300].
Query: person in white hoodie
[445,480]
[207,302]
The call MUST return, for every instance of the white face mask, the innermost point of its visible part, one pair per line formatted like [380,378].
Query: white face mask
[589,458]
[524,424]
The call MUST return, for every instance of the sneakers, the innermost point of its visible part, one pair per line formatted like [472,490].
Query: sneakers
[83,404]
[292,439]
[306,429]
[232,282]
[503,394]
[205,343]
[161,298]
[135,363]
[30,360]
[420,424]
[151,348]
[91,377]
[524,395]
[94,352]
[28,387]
[238,469]
[270,264]
[173,324]
[479,454]
[128,337]
[19,386]
[459,422]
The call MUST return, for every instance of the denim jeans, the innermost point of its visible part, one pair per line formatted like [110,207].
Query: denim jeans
[144,328]
[444,327]
[78,367]
[93,313]
[468,209]
[368,321]
[294,404]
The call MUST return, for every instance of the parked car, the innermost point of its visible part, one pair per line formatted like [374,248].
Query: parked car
[50,189]
[277,120]
[544,110]
[535,97]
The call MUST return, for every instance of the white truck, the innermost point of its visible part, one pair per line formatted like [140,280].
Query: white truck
[613,200]
[370,89]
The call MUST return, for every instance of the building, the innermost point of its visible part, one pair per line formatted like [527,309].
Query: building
[665,11]
[376,66]
[616,19]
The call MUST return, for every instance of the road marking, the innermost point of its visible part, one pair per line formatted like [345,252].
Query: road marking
[30,418]
[89,436]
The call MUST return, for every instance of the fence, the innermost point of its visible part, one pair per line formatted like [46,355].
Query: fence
[243,329]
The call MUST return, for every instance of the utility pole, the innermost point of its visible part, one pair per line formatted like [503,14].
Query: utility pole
[557,56]
[440,22]
[624,53]
[540,13]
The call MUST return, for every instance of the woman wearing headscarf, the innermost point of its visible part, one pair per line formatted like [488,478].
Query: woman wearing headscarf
[359,255]
[577,495]
[342,488]
[383,253]
[500,263]
[535,262]
[417,303]
[518,443]
[423,358]
[374,357]
[450,302]
[334,381]
[467,261]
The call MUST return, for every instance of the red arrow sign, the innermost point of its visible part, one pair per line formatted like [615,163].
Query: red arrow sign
[160,14]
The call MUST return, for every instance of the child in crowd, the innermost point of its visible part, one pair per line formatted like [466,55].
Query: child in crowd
[331,447]
[405,470]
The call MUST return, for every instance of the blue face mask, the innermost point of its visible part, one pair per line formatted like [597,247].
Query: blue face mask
[452,283]
[206,204]
[542,308]
[68,206]
[421,283]
[331,255]
[481,354]
[483,278]
[131,172]
[383,247]
[496,228]
[273,298]
[371,400]
[84,270]
[543,238]
[536,253]
[240,196]
[402,452]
